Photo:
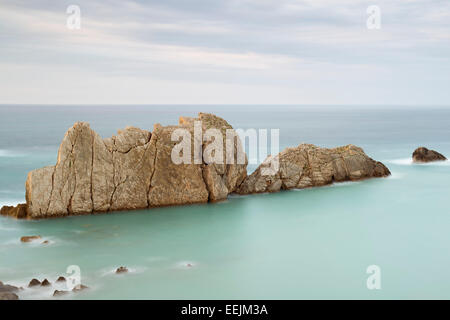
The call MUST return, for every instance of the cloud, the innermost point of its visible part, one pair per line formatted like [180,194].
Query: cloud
[290,51]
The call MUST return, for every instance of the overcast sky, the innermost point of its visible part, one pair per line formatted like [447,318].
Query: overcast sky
[225,52]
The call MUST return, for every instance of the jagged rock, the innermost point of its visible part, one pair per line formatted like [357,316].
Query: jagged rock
[58,293]
[45,283]
[61,279]
[19,211]
[131,170]
[121,270]
[33,283]
[29,238]
[422,154]
[8,296]
[310,166]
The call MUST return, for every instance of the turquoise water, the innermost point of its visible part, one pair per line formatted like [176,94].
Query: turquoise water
[314,243]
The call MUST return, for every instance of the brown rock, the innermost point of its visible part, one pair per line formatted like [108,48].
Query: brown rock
[7,288]
[8,296]
[33,283]
[121,270]
[422,155]
[58,293]
[45,242]
[29,238]
[310,166]
[19,211]
[45,283]
[61,279]
[79,287]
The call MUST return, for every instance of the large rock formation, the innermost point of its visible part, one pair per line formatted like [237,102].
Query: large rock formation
[422,154]
[132,170]
[310,166]
[135,169]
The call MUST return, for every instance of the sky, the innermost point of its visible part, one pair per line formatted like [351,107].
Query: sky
[225,52]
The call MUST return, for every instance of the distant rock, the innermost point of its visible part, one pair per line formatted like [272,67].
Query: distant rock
[34,283]
[61,279]
[423,155]
[121,270]
[308,166]
[29,238]
[45,242]
[46,283]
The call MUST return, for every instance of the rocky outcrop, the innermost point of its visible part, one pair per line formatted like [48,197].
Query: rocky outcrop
[310,166]
[131,170]
[19,211]
[8,292]
[422,154]
[135,169]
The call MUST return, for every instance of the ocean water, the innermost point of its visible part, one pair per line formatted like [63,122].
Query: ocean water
[302,244]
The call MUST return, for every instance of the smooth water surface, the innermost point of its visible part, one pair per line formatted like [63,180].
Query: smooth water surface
[314,243]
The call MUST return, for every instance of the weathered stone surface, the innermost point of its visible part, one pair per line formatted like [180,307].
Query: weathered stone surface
[19,211]
[131,170]
[134,169]
[7,288]
[29,238]
[422,154]
[310,166]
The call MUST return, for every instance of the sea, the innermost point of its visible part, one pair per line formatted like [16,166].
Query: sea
[319,243]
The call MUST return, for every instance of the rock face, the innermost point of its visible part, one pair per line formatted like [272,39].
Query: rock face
[29,238]
[135,169]
[131,170]
[422,154]
[310,166]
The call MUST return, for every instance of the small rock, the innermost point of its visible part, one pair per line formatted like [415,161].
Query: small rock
[45,283]
[33,283]
[59,293]
[422,154]
[29,238]
[45,242]
[79,288]
[121,270]
[61,279]
[8,296]
[189,265]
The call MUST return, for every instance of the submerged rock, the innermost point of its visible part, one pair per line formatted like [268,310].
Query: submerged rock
[29,238]
[33,283]
[121,270]
[422,154]
[58,293]
[79,287]
[310,166]
[61,279]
